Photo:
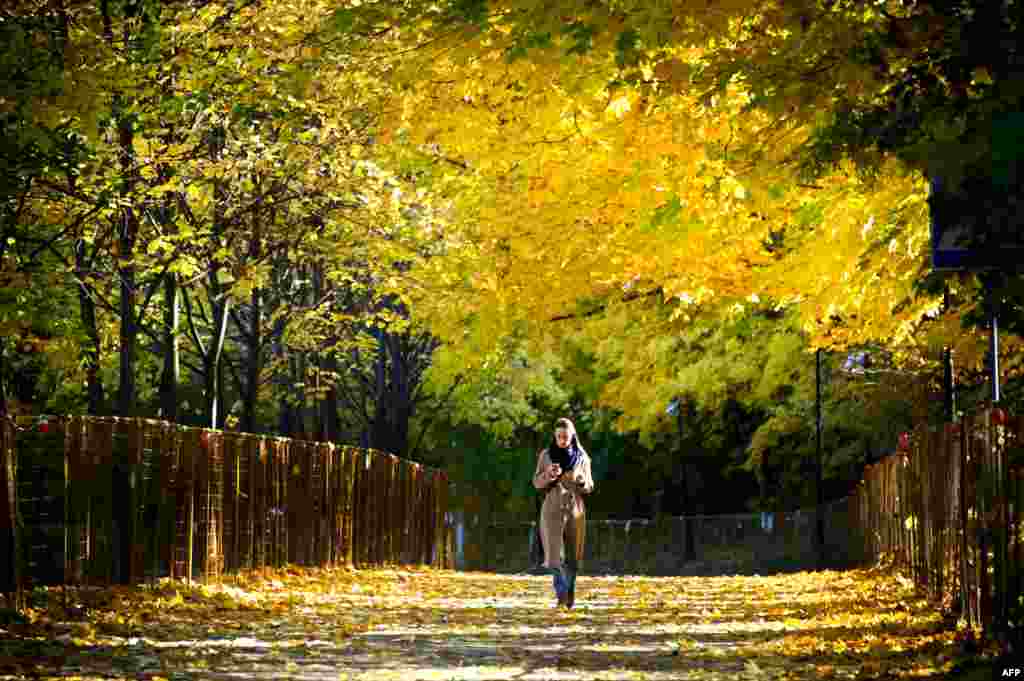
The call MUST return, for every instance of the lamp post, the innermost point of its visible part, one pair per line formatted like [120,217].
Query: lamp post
[675,407]
[819,508]
[994,340]
[948,380]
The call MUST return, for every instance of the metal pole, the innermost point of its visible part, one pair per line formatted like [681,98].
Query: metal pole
[994,349]
[689,543]
[949,390]
[819,511]
[991,281]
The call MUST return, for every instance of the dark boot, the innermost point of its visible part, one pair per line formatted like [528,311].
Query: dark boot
[561,589]
[570,587]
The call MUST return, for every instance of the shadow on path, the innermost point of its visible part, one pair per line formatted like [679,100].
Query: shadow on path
[319,625]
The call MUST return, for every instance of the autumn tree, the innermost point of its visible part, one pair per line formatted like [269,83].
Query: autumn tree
[186,184]
[659,163]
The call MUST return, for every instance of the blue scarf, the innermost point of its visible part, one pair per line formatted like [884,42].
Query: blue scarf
[569,457]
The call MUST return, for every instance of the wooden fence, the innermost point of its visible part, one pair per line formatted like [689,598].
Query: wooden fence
[947,507]
[90,500]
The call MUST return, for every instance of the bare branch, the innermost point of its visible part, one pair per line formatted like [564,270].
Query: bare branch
[191,322]
[640,295]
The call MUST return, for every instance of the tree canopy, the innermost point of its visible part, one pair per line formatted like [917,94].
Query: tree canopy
[387,222]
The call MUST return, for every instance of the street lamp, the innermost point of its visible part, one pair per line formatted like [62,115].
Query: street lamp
[819,509]
[675,408]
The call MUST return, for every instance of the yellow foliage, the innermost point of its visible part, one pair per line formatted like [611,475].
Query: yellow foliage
[569,196]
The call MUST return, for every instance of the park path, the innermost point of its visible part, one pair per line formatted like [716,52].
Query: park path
[314,625]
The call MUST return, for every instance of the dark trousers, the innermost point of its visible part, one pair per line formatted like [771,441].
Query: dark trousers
[575,540]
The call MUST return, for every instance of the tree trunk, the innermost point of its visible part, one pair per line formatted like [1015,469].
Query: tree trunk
[3,376]
[330,406]
[126,397]
[212,362]
[284,380]
[222,393]
[210,353]
[316,361]
[128,228]
[210,386]
[127,236]
[91,351]
[253,336]
[284,418]
[298,403]
[171,377]
[220,301]
[291,414]
[306,414]
[253,340]
[307,361]
[400,397]
[393,408]
[379,438]
[4,409]
[314,402]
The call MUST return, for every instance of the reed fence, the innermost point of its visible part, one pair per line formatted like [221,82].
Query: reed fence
[947,507]
[91,500]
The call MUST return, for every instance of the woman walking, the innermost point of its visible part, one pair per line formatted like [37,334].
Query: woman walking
[563,474]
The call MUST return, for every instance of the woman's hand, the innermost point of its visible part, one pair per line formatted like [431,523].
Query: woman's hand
[554,470]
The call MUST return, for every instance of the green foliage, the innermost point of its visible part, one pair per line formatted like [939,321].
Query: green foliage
[488,466]
[509,392]
[473,12]
[626,44]
[666,214]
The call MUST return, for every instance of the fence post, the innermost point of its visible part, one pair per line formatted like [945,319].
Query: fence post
[351,512]
[74,525]
[359,508]
[189,454]
[285,539]
[166,512]
[325,516]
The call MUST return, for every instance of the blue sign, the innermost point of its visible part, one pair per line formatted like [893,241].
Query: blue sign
[976,219]
[976,225]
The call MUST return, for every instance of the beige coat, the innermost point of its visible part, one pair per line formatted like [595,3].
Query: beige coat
[563,514]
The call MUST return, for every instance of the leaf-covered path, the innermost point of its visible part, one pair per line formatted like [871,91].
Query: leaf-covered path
[319,625]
